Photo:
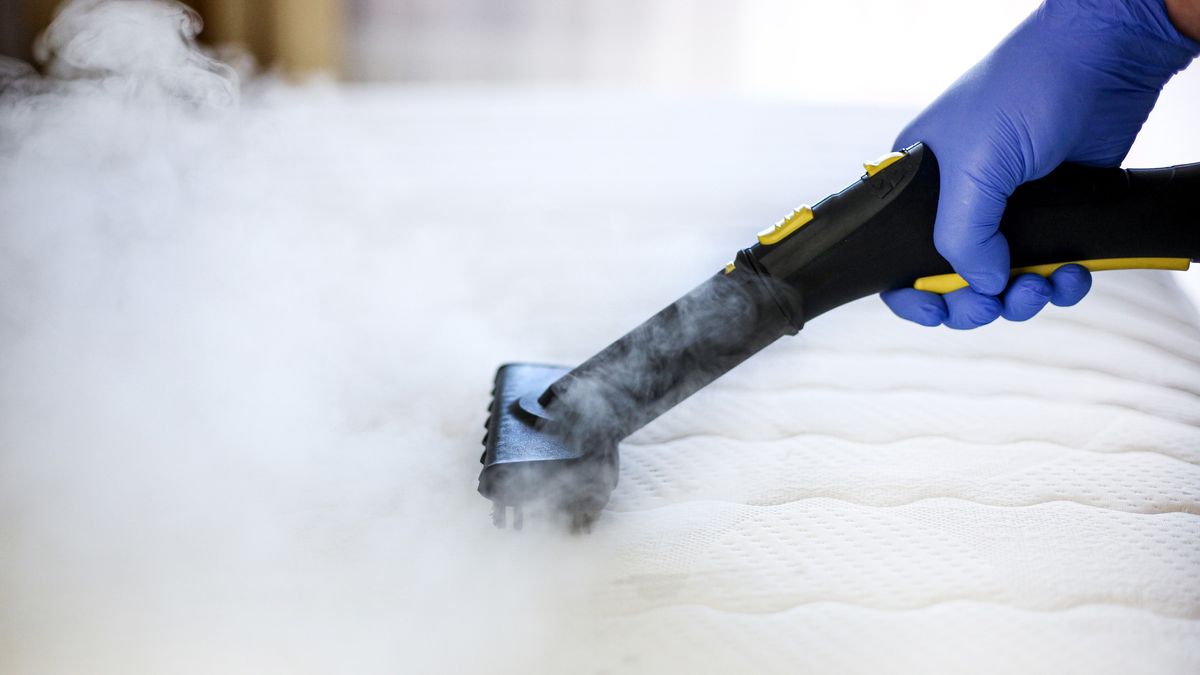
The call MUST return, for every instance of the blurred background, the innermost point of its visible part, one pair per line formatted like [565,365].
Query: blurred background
[856,53]
[876,52]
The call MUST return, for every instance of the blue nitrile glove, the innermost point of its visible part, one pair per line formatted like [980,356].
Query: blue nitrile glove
[1074,82]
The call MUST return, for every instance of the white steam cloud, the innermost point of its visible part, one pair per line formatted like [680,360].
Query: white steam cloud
[240,407]
[136,43]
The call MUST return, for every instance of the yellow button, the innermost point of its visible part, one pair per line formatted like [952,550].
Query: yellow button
[792,222]
[882,163]
[730,267]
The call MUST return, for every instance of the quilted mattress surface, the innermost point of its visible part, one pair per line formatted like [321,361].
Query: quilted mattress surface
[242,411]
[866,501]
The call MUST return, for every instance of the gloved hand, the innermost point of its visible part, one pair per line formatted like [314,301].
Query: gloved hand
[1074,82]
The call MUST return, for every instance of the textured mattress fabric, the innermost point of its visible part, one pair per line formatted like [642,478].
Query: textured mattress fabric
[1020,499]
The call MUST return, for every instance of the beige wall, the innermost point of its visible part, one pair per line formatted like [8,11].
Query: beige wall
[300,36]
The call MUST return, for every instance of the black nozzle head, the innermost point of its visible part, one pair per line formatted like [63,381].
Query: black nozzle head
[534,457]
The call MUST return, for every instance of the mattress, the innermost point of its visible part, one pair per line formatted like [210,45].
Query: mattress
[1021,499]
[248,356]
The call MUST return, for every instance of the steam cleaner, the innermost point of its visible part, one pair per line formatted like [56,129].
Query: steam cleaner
[552,432]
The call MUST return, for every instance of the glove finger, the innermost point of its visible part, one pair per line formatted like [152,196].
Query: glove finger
[966,308]
[1025,297]
[927,309]
[1070,283]
[966,232]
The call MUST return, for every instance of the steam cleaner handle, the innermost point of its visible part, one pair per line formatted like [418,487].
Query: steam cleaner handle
[877,233]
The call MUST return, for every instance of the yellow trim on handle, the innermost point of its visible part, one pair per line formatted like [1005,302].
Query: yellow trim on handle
[948,283]
[791,222]
[882,163]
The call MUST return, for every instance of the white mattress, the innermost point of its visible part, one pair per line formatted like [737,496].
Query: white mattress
[248,358]
[1021,499]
